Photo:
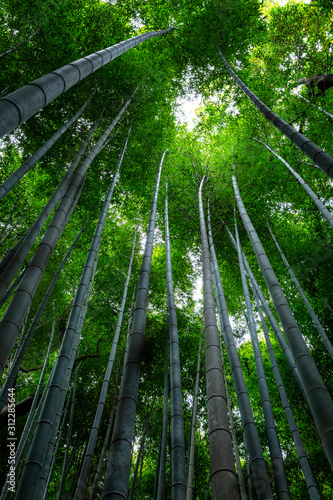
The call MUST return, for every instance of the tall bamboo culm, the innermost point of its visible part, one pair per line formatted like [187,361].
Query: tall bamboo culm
[193,425]
[316,154]
[14,315]
[222,467]
[304,461]
[17,107]
[280,479]
[258,465]
[178,486]
[307,304]
[64,364]
[117,475]
[318,398]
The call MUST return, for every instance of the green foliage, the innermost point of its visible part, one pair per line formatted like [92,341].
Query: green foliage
[270,48]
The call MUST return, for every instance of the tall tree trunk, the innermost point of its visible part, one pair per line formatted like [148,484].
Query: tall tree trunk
[317,155]
[258,465]
[29,422]
[248,472]
[178,486]
[43,479]
[319,204]
[14,178]
[12,49]
[222,468]
[141,448]
[318,398]
[12,262]
[116,481]
[79,494]
[64,365]
[11,377]
[313,315]
[50,474]
[275,327]
[304,461]
[17,107]
[106,440]
[314,105]
[193,426]
[16,311]
[241,483]
[281,485]
[161,472]
[327,305]
[65,466]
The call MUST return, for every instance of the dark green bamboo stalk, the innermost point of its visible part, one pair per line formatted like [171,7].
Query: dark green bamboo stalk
[12,262]
[11,377]
[89,451]
[316,154]
[16,311]
[64,364]
[117,476]
[12,49]
[314,105]
[106,440]
[29,422]
[141,448]
[304,461]
[275,327]
[313,315]
[281,484]
[241,483]
[178,486]
[161,472]
[222,468]
[49,477]
[17,107]
[45,474]
[189,491]
[258,465]
[318,398]
[316,200]
[14,178]
[65,465]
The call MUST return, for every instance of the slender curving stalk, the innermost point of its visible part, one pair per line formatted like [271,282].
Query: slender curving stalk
[161,470]
[13,317]
[106,439]
[275,327]
[11,377]
[304,461]
[141,450]
[65,466]
[258,465]
[319,204]
[316,154]
[89,451]
[280,479]
[189,491]
[314,105]
[222,468]
[117,476]
[313,315]
[17,107]
[178,487]
[64,364]
[317,396]
[14,178]
[16,256]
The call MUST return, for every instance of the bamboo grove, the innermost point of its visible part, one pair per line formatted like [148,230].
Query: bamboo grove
[166,326]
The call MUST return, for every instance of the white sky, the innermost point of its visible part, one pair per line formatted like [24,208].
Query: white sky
[186,109]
